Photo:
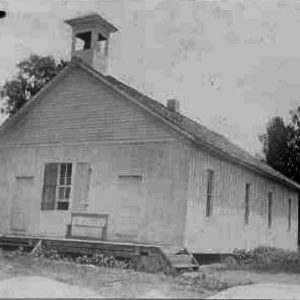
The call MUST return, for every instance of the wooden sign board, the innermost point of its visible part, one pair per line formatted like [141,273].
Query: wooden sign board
[89,221]
[87,232]
[89,225]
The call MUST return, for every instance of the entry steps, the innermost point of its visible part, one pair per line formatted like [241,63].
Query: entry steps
[180,259]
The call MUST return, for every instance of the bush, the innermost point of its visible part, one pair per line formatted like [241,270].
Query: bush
[97,258]
[268,258]
[201,280]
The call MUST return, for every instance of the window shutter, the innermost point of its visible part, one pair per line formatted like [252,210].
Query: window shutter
[81,187]
[49,189]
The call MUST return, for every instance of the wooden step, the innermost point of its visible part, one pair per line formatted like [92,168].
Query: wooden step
[180,259]
[12,242]
[181,262]
[189,267]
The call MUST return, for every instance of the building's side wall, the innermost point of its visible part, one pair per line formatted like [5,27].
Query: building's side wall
[226,229]
[162,196]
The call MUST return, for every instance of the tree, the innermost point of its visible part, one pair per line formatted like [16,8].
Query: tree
[293,160]
[33,73]
[275,144]
[281,145]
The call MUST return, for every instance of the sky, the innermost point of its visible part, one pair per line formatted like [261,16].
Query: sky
[233,65]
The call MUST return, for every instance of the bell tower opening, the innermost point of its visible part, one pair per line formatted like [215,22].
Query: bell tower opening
[83,41]
[90,40]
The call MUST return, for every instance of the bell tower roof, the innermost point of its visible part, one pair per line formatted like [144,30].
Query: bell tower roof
[92,20]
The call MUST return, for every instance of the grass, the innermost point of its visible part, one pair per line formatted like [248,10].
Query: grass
[107,282]
[127,283]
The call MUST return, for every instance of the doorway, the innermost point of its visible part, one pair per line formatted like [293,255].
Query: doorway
[130,213]
[21,205]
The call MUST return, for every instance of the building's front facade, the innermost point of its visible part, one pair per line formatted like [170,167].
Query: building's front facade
[91,146]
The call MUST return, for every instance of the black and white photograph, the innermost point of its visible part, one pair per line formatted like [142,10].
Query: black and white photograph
[150,149]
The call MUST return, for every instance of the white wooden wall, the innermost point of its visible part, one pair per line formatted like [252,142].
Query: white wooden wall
[225,229]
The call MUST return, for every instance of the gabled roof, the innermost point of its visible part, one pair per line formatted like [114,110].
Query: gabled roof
[198,134]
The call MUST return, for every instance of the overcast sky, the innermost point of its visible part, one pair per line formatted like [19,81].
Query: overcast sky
[232,64]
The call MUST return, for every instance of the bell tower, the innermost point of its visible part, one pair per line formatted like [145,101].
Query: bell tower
[90,40]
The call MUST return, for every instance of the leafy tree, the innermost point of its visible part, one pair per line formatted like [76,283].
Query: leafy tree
[293,160]
[281,145]
[275,144]
[33,73]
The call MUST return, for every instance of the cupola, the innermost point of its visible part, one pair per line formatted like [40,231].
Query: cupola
[90,40]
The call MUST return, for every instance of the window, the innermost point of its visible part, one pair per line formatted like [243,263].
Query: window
[210,177]
[289,214]
[247,206]
[270,209]
[83,41]
[57,186]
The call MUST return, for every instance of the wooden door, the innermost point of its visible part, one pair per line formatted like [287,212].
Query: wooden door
[130,213]
[81,187]
[21,205]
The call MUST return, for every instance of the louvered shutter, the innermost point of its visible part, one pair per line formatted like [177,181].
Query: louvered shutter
[49,189]
[81,187]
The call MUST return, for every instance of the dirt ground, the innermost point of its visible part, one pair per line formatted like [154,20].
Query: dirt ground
[108,282]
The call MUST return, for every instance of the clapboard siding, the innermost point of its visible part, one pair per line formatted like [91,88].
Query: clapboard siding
[226,229]
[162,165]
[81,109]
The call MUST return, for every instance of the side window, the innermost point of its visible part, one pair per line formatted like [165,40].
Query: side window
[209,192]
[57,186]
[63,190]
[247,204]
[289,214]
[270,200]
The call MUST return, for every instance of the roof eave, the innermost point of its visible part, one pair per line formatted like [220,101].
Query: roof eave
[93,18]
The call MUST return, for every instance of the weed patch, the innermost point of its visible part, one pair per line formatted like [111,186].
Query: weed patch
[265,259]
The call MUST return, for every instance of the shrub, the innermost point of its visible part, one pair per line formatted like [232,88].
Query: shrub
[268,258]
[201,280]
[97,258]
[100,259]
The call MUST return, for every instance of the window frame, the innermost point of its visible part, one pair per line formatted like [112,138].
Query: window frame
[290,204]
[269,209]
[247,203]
[66,184]
[63,186]
[209,192]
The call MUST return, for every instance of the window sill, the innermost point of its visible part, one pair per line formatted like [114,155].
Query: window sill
[55,211]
